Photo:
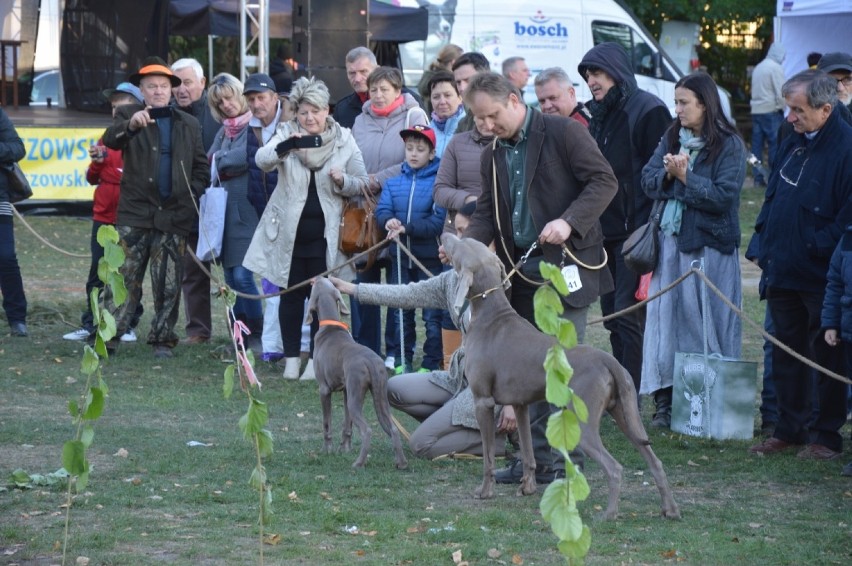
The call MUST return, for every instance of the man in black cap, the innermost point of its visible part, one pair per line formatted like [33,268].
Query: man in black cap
[165,168]
[839,66]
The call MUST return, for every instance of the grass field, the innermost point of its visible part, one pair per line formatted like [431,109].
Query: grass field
[160,500]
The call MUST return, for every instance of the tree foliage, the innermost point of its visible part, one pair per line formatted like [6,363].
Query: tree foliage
[727,63]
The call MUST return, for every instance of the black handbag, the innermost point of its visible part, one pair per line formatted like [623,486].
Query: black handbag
[19,187]
[641,249]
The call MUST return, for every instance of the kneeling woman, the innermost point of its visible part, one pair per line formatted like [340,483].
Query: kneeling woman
[440,400]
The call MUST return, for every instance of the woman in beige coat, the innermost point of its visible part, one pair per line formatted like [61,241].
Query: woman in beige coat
[298,233]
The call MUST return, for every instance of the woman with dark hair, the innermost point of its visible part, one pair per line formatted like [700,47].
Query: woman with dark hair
[447,109]
[698,171]
[443,62]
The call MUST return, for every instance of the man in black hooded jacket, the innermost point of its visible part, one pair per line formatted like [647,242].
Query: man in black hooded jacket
[627,123]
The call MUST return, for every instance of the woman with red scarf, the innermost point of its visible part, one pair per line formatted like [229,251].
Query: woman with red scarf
[384,115]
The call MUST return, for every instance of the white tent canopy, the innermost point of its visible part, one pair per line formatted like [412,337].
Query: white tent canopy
[805,26]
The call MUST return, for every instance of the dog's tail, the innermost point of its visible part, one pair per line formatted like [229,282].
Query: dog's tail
[624,406]
[379,385]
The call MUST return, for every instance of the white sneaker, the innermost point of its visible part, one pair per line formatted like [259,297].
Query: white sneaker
[292,367]
[77,336]
[390,362]
[308,374]
[129,336]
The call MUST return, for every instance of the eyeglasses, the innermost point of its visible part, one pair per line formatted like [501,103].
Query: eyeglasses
[797,154]
[845,81]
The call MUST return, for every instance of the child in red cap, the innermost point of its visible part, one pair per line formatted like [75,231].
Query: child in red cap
[407,211]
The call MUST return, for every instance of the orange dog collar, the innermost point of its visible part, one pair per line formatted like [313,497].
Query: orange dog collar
[342,325]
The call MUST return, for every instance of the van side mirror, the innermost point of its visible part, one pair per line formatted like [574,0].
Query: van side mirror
[657,62]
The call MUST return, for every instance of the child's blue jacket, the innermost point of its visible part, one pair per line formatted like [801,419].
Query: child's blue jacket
[408,197]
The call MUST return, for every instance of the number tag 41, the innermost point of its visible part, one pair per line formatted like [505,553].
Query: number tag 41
[571,274]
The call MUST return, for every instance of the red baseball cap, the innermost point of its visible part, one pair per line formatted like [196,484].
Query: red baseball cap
[424,132]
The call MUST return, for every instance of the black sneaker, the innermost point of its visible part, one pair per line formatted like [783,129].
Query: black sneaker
[514,471]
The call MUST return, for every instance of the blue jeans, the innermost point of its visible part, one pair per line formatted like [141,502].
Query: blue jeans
[241,279]
[433,353]
[11,284]
[367,319]
[765,131]
[768,399]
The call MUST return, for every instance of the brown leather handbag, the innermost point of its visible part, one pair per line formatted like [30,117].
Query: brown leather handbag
[359,230]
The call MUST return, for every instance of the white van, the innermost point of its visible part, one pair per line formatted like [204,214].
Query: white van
[547,34]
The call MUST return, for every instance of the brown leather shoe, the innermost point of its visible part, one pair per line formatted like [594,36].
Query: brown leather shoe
[818,452]
[771,445]
[191,340]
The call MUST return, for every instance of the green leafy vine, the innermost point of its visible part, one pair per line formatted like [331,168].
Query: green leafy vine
[254,421]
[90,405]
[559,502]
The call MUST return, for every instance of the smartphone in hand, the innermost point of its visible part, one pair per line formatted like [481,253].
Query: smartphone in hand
[161,112]
[304,142]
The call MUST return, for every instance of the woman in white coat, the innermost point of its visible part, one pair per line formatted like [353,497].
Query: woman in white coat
[298,234]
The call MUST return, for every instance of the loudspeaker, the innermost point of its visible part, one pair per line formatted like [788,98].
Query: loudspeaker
[323,33]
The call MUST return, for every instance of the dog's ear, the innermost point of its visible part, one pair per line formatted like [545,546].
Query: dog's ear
[340,302]
[465,281]
[312,306]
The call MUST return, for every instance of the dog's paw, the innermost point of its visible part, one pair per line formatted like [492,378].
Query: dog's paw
[359,463]
[402,465]
[673,513]
[484,492]
[527,487]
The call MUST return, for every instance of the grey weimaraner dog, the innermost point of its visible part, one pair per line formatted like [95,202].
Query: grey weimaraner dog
[341,364]
[504,356]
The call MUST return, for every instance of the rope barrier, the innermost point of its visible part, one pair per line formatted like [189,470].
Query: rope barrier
[693,271]
[44,241]
[738,311]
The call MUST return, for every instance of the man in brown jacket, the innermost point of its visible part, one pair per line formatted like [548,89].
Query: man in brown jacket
[550,188]
[165,168]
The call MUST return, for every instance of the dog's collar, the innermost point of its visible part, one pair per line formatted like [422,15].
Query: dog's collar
[484,294]
[330,322]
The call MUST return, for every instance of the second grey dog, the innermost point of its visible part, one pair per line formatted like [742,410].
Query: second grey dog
[504,364]
[341,364]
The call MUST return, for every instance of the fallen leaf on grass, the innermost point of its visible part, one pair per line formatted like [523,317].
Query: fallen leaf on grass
[272,539]
[57,360]
[122,453]
[325,496]
[300,415]
[516,559]
[415,529]
[691,463]
[292,496]
[494,553]
[70,380]
[670,553]
[360,552]
[369,533]
[457,559]
[82,561]
[755,525]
